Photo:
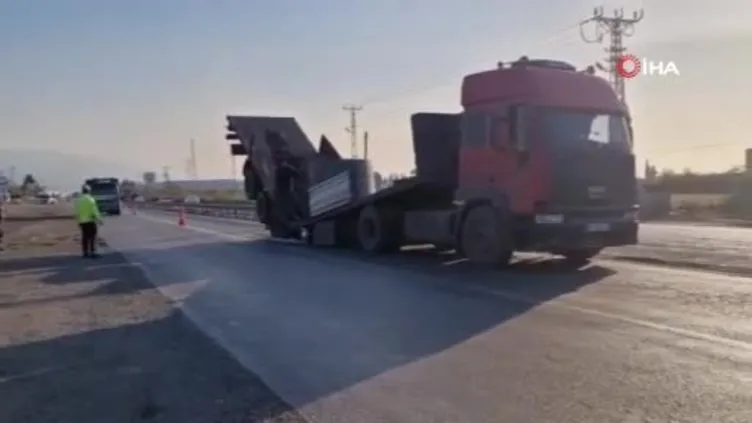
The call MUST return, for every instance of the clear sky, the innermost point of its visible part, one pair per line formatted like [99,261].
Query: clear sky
[135,80]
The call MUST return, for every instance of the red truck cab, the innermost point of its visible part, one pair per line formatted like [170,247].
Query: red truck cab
[551,147]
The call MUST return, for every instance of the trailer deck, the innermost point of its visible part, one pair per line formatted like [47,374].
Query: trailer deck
[413,191]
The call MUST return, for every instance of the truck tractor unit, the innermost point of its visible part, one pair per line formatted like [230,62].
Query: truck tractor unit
[107,193]
[539,159]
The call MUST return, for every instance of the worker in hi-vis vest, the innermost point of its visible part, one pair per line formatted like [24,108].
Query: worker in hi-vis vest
[88,217]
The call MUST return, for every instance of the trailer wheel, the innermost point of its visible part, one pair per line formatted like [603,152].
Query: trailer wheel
[250,186]
[485,238]
[262,208]
[378,230]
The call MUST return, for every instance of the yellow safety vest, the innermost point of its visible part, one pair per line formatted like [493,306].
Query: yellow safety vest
[86,209]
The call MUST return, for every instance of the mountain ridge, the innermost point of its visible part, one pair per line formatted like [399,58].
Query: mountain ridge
[61,171]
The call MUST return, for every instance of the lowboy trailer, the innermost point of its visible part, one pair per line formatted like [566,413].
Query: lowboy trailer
[539,159]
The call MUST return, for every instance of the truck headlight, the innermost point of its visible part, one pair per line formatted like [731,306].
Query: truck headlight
[548,219]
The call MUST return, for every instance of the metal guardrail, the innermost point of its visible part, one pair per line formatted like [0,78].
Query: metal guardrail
[239,211]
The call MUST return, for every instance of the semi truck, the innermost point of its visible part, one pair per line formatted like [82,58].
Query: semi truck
[538,159]
[107,193]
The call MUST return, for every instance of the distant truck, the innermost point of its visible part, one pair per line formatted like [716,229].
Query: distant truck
[539,159]
[107,193]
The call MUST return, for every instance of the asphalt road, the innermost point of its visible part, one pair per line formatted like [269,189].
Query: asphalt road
[689,245]
[701,245]
[415,339]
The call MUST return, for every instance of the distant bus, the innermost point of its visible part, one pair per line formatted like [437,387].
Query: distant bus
[107,193]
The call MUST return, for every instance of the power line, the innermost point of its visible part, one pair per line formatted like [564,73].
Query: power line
[616,27]
[352,109]
[551,37]
[353,128]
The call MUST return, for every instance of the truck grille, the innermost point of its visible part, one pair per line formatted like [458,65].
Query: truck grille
[593,177]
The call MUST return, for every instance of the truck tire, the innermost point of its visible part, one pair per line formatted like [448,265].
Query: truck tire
[249,184]
[378,229]
[581,257]
[307,234]
[250,180]
[278,231]
[262,208]
[485,238]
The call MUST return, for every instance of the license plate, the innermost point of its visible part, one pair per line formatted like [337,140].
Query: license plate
[598,227]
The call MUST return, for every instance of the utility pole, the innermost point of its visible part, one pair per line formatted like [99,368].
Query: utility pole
[617,27]
[193,161]
[353,128]
[365,145]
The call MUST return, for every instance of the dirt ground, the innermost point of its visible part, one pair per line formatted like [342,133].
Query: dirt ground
[86,340]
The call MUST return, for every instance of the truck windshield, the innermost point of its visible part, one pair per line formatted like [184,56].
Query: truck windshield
[575,128]
[99,188]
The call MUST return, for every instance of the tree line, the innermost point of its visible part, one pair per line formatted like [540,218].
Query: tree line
[29,187]
[689,182]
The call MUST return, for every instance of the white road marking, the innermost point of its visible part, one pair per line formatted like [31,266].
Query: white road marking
[196,228]
[723,277]
[510,296]
[688,333]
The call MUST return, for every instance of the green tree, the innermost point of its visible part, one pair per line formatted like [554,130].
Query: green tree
[30,186]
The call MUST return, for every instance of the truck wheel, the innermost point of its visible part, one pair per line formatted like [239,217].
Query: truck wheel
[581,257]
[308,234]
[484,237]
[278,231]
[378,230]
[262,208]
[251,188]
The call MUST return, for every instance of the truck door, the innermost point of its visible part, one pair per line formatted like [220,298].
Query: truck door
[476,172]
[520,167]
[495,157]
[512,156]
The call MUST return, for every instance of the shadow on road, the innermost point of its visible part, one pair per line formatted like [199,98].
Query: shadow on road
[162,370]
[314,322]
[114,274]
[541,278]
[108,368]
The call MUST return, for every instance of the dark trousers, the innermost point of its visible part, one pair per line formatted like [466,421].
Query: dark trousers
[88,238]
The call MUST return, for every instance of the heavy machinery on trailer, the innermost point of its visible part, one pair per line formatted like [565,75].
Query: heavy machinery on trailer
[539,159]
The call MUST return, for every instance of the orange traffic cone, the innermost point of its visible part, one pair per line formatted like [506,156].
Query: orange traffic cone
[181,218]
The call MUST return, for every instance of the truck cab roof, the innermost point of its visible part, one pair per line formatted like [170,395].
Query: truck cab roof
[540,82]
